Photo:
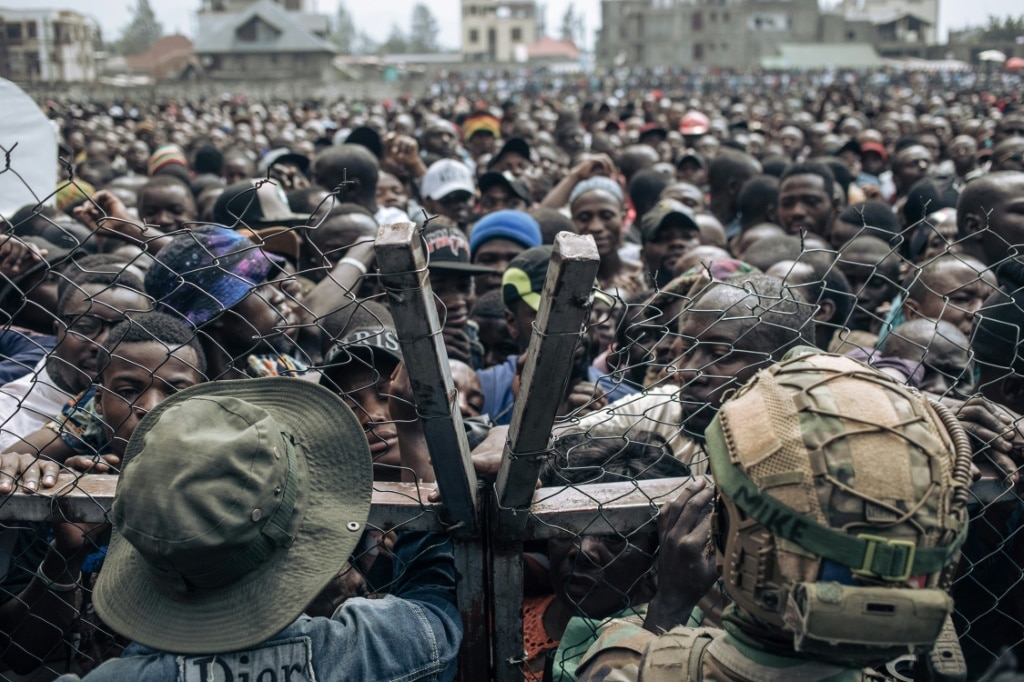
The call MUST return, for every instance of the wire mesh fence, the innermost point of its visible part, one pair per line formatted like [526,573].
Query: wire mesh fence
[607,387]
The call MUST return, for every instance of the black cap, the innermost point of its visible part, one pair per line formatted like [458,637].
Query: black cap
[448,249]
[254,203]
[524,278]
[667,213]
[507,180]
[364,343]
[515,145]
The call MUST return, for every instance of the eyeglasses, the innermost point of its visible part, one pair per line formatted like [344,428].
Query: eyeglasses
[89,326]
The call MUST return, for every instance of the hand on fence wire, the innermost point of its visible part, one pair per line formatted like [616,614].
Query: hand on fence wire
[992,427]
[17,257]
[686,564]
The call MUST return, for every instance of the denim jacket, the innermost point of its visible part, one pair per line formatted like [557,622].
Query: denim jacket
[413,633]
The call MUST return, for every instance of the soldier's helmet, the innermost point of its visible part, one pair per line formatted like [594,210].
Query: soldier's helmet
[841,507]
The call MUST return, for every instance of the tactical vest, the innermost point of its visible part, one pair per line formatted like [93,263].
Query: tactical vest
[696,654]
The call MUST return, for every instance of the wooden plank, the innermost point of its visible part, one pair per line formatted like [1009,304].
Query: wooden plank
[473,571]
[89,498]
[599,508]
[564,307]
[507,603]
[403,266]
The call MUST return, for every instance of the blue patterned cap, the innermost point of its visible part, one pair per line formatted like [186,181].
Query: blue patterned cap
[201,273]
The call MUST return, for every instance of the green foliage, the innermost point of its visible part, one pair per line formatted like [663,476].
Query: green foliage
[143,30]
[423,31]
[344,34]
[572,25]
[1004,30]
[397,42]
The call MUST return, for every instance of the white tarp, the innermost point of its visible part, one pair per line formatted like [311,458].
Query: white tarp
[34,158]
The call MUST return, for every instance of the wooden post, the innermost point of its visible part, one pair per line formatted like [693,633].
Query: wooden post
[564,308]
[403,267]
[507,582]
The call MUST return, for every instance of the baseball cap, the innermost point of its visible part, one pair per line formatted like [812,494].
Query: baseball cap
[516,226]
[667,212]
[375,338]
[205,271]
[691,156]
[653,130]
[694,123]
[524,277]
[222,549]
[514,145]
[446,176]
[283,155]
[255,203]
[507,180]
[875,147]
[448,249]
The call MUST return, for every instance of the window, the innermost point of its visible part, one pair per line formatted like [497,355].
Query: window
[713,16]
[14,32]
[851,35]
[697,22]
[474,36]
[293,5]
[32,29]
[725,17]
[517,35]
[698,52]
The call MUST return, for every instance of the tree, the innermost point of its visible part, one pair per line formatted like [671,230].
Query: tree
[396,43]
[424,30]
[344,34]
[364,44]
[143,30]
[1009,29]
[572,24]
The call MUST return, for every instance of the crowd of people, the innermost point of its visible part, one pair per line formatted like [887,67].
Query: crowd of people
[807,304]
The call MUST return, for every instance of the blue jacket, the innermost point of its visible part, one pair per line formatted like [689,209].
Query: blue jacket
[414,633]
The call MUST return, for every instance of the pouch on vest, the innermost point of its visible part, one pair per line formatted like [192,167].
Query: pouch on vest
[827,616]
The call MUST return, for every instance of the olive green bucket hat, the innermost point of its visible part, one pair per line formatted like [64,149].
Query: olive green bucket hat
[238,502]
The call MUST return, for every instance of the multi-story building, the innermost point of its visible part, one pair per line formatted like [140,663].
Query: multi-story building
[498,30]
[263,39]
[691,33]
[47,46]
[909,21]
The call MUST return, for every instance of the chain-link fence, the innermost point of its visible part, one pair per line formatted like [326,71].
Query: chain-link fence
[611,388]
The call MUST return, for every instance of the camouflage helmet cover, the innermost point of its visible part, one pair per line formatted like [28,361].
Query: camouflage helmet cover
[831,471]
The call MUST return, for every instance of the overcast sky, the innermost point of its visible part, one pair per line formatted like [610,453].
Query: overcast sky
[376,17]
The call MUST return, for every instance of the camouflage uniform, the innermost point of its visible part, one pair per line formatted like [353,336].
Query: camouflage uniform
[840,514]
[687,654]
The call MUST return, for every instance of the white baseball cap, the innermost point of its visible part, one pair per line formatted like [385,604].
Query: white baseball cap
[446,176]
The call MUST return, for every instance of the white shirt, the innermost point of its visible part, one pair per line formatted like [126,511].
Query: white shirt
[28,404]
